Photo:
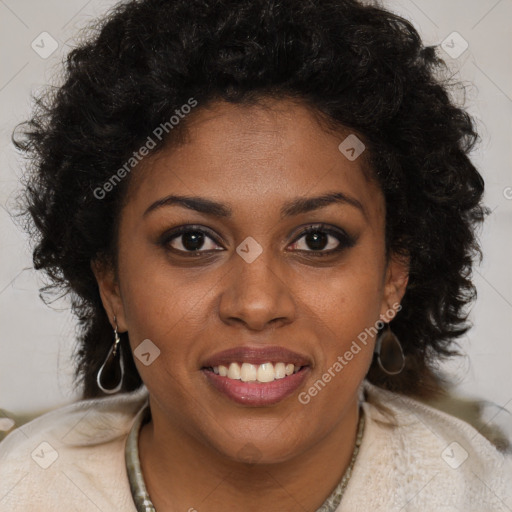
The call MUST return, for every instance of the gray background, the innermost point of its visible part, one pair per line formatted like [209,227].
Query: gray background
[37,341]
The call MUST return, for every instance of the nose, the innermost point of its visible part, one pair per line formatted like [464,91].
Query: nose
[257,294]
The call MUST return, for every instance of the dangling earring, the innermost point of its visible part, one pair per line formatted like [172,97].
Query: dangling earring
[392,359]
[113,366]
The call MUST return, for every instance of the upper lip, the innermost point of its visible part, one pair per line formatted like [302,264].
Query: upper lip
[256,355]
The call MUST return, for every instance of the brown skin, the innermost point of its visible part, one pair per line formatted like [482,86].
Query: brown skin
[253,159]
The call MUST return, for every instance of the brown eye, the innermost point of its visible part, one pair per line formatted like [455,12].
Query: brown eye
[188,239]
[320,241]
[315,240]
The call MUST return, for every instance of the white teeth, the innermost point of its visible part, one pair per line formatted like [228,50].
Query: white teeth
[247,372]
[280,370]
[234,371]
[266,372]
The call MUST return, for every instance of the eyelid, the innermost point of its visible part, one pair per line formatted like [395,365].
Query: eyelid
[173,233]
[326,228]
[345,240]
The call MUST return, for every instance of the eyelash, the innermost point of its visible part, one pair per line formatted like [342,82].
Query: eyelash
[345,240]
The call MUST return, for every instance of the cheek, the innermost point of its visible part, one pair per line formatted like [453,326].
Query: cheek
[165,308]
[345,316]
[351,295]
[347,306]
[348,322]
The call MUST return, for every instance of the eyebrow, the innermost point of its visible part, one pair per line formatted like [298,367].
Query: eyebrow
[292,207]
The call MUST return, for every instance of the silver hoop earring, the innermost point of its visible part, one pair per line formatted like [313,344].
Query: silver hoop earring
[392,359]
[112,369]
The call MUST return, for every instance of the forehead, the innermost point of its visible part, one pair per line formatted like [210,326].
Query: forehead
[252,155]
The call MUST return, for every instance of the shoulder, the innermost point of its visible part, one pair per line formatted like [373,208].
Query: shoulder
[428,425]
[62,456]
[416,457]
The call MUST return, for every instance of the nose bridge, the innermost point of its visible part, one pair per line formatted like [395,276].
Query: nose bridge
[256,292]
[256,266]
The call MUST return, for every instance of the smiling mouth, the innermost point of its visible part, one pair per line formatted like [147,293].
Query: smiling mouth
[256,385]
[259,373]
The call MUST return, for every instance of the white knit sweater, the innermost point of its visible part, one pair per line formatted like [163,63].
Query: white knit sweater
[412,458]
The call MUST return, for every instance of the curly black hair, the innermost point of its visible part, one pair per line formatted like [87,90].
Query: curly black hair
[356,64]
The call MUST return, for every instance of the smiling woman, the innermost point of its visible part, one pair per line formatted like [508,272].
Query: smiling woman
[268,289]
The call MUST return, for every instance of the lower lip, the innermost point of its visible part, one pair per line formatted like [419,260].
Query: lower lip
[257,393]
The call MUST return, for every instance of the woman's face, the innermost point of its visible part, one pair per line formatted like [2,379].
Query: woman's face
[255,280]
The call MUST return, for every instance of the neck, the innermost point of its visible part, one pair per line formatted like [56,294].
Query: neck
[182,473]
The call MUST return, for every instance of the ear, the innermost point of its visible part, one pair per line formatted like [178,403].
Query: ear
[396,279]
[109,292]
